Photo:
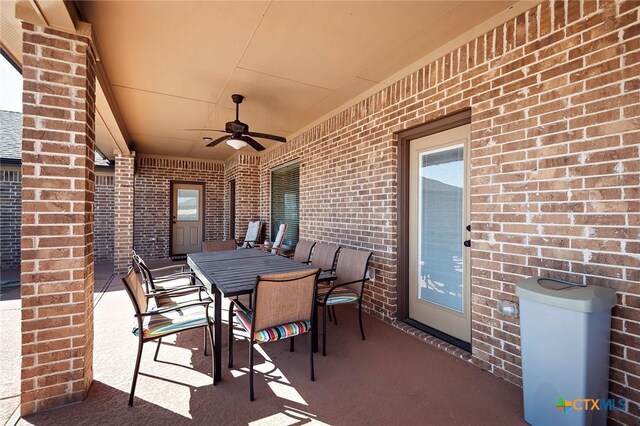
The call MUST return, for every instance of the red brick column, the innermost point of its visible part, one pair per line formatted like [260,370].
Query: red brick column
[57,218]
[123,212]
[245,170]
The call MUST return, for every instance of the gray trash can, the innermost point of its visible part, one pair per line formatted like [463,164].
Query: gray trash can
[564,332]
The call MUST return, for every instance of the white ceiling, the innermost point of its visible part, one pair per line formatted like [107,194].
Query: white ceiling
[174,65]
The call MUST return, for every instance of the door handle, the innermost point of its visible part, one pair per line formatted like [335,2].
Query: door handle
[467,243]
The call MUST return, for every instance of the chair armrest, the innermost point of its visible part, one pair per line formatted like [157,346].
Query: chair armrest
[334,286]
[180,266]
[181,289]
[239,303]
[204,303]
[173,276]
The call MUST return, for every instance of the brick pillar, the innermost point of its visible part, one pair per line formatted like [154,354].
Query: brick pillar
[123,193]
[58,184]
[244,169]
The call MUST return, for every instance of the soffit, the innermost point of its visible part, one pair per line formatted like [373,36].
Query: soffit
[174,65]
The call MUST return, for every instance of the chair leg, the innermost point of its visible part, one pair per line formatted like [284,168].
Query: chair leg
[209,329]
[135,373]
[360,319]
[335,317]
[205,332]
[155,357]
[313,376]
[330,315]
[231,335]
[251,370]
[291,344]
[324,331]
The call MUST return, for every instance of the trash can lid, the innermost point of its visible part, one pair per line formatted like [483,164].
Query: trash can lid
[566,295]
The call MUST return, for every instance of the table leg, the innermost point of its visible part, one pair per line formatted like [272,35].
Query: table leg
[217,331]
[314,328]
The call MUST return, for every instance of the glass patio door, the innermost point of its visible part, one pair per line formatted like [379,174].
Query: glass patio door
[439,295]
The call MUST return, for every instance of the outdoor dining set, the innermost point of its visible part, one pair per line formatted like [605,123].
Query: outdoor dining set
[283,292]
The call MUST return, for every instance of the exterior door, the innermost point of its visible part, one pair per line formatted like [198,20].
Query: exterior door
[439,290]
[186,218]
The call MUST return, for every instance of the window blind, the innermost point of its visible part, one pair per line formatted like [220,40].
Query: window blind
[285,202]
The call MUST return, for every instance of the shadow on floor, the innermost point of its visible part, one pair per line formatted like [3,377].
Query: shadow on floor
[391,378]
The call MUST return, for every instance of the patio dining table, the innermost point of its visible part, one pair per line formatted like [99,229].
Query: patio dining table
[233,273]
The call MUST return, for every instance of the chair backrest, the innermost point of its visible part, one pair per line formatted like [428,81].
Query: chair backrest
[352,266]
[324,256]
[284,298]
[134,289]
[142,267]
[253,233]
[277,242]
[209,246]
[303,251]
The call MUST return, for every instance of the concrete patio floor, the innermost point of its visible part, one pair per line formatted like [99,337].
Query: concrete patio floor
[391,378]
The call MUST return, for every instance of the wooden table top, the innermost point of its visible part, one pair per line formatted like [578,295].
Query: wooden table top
[234,272]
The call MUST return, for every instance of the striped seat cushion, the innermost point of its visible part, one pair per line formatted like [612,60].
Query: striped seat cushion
[169,283]
[272,334]
[159,325]
[338,296]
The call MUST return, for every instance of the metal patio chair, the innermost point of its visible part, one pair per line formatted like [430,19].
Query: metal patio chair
[284,308]
[153,281]
[348,287]
[303,251]
[154,323]
[211,246]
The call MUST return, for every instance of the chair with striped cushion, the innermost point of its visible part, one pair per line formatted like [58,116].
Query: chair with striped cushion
[348,287]
[284,305]
[154,323]
[324,257]
[153,281]
[303,251]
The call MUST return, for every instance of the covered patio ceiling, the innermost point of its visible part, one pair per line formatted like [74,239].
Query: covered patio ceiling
[170,66]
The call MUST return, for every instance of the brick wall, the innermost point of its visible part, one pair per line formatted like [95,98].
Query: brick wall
[153,197]
[123,211]
[57,218]
[10,211]
[10,217]
[104,215]
[245,170]
[554,96]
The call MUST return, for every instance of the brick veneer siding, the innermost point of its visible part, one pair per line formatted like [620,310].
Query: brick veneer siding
[57,218]
[245,170]
[554,95]
[104,225]
[123,211]
[153,197]
[10,218]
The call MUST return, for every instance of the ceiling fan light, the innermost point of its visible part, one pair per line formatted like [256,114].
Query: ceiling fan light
[236,143]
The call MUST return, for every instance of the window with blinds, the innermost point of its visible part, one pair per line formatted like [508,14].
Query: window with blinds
[285,202]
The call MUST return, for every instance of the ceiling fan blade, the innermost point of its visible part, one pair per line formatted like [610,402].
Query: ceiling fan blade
[267,136]
[217,141]
[252,142]
[205,130]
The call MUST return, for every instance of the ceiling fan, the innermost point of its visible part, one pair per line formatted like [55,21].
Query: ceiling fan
[239,135]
